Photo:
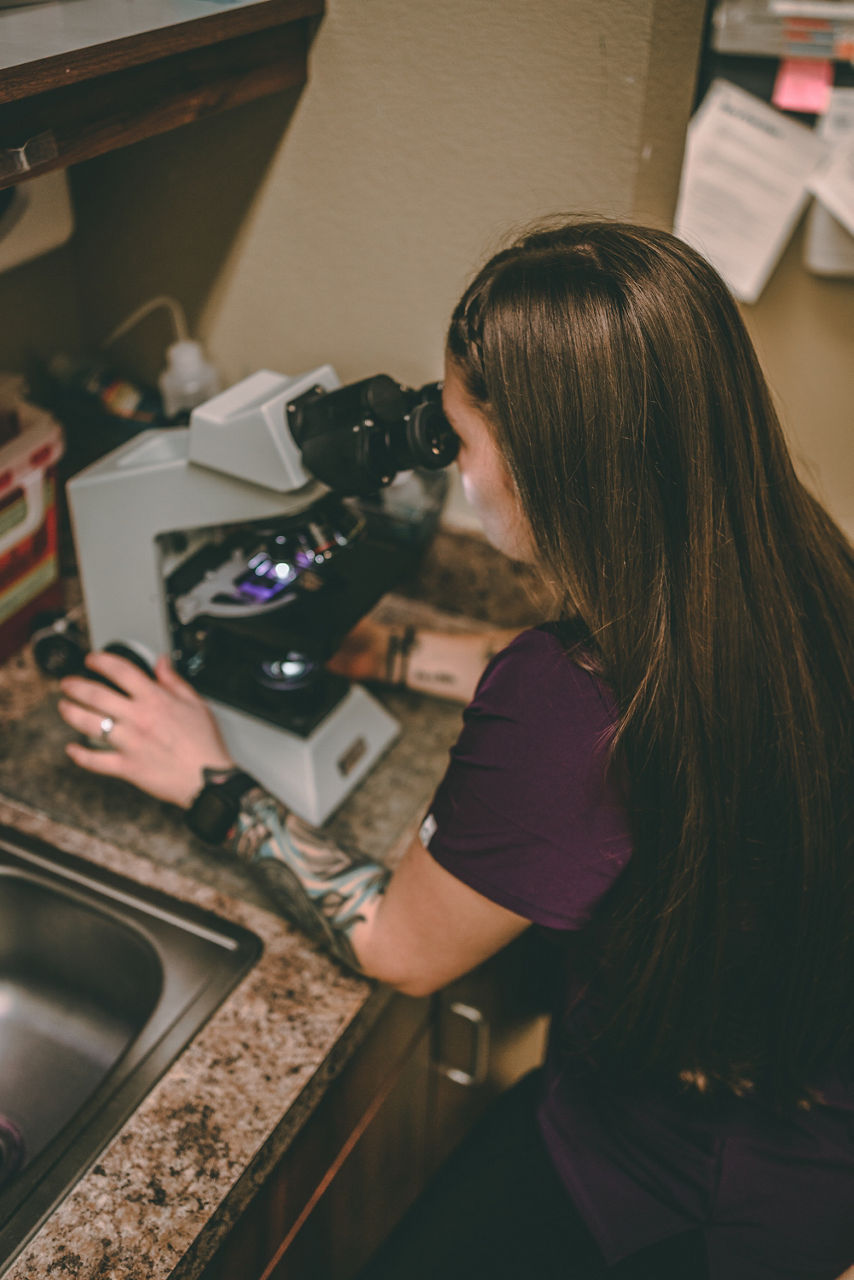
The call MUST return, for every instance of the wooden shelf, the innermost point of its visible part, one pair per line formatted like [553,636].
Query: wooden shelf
[59,110]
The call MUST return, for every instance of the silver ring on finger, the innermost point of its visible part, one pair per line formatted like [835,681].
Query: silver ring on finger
[108,724]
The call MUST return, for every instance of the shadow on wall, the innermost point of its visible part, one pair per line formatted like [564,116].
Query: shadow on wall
[161,217]
[38,308]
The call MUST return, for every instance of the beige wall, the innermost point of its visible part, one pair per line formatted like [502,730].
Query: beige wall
[427,130]
[38,308]
[345,228]
[345,231]
[803,328]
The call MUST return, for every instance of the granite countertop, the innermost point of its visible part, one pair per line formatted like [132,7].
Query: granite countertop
[166,1189]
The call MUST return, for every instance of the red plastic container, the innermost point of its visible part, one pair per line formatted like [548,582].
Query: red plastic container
[31,444]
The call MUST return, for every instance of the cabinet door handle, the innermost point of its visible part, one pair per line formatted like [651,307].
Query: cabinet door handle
[38,150]
[479,1061]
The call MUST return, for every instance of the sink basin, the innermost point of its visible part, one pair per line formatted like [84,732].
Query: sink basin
[102,984]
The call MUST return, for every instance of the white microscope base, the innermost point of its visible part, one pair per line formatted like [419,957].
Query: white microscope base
[311,775]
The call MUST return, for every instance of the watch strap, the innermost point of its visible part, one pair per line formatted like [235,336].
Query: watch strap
[214,811]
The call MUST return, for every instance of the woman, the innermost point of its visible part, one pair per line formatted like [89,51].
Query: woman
[662,778]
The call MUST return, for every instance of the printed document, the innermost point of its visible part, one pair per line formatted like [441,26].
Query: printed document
[744,185]
[833,181]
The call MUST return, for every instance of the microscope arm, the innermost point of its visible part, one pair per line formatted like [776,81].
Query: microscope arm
[319,887]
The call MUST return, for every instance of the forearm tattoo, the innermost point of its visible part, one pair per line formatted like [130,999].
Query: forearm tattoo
[319,887]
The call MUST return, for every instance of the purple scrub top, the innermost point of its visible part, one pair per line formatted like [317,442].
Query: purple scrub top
[529,816]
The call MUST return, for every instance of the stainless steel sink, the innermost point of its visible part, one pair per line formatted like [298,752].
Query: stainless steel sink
[102,984]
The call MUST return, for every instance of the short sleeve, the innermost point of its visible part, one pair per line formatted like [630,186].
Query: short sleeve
[528,813]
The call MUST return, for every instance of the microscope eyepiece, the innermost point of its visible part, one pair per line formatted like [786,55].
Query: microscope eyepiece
[357,439]
[432,440]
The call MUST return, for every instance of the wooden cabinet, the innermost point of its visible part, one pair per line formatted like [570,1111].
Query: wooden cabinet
[103,93]
[354,1168]
[488,1030]
[415,1086]
[376,1122]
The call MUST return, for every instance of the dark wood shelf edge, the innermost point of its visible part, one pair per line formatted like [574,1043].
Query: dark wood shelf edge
[142,102]
[57,71]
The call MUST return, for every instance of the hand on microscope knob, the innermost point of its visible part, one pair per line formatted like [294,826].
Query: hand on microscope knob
[158,733]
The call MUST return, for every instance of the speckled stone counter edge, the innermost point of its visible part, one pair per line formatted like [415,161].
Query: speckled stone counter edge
[168,1187]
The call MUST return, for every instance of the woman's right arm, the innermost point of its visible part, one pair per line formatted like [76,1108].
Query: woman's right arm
[415,929]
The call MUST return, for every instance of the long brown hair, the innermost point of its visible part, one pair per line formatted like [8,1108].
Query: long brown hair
[718,596]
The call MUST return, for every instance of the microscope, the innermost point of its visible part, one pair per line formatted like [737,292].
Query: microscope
[247,544]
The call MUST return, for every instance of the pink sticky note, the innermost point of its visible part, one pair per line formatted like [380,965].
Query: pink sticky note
[803,84]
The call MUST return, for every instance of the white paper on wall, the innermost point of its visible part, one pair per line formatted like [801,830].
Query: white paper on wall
[833,181]
[829,242]
[834,185]
[744,185]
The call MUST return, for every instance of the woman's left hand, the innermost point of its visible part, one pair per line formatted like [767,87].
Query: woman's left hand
[162,736]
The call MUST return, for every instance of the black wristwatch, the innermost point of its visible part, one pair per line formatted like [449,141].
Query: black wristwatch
[214,811]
